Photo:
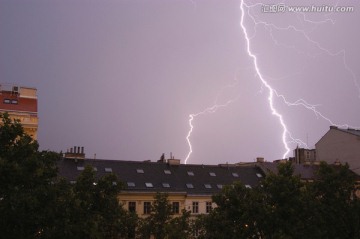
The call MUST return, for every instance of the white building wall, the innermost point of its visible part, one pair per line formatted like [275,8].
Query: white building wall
[339,145]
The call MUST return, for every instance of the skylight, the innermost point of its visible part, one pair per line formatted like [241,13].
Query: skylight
[212,174]
[247,186]
[131,184]
[80,168]
[219,186]
[259,175]
[140,170]
[189,185]
[236,175]
[149,185]
[166,185]
[166,171]
[207,185]
[190,173]
[108,170]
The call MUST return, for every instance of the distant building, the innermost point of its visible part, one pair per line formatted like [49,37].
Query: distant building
[302,155]
[189,186]
[21,103]
[340,146]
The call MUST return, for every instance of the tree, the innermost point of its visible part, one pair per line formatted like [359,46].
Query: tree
[336,204]
[159,217]
[89,208]
[179,227]
[26,182]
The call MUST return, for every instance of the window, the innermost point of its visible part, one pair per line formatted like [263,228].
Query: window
[166,185]
[236,175]
[132,206]
[72,182]
[114,183]
[7,101]
[175,207]
[131,184]
[80,168]
[212,174]
[190,173]
[108,170]
[147,207]
[95,169]
[208,207]
[195,207]
[189,185]
[259,175]
[207,185]
[14,102]
[219,186]
[149,185]
[139,170]
[166,171]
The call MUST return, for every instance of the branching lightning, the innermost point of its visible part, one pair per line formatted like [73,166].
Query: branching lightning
[286,136]
[208,110]
[272,92]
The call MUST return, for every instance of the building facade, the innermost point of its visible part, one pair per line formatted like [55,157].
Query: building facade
[340,146]
[21,104]
[188,187]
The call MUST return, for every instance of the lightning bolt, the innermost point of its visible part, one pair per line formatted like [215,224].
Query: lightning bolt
[208,110]
[286,136]
[272,92]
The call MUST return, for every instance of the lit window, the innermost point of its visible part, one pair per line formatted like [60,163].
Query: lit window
[166,185]
[219,186]
[139,170]
[207,185]
[149,185]
[132,206]
[108,170]
[189,185]
[147,207]
[195,207]
[236,175]
[80,168]
[131,184]
[190,173]
[259,175]
[166,171]
[212,174]
[208,207]
[175,207]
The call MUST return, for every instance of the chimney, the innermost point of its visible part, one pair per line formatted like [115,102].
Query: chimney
[75,153]
[260,160]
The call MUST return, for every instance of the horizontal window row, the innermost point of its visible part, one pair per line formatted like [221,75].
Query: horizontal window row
[167,185]
[175,207]
[190,173]
[11,101]
[82,168]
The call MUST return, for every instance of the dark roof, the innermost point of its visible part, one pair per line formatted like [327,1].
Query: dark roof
[153,172]
[306,172]
[350,131]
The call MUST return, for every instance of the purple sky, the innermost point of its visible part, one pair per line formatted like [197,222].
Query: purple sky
[122,77]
